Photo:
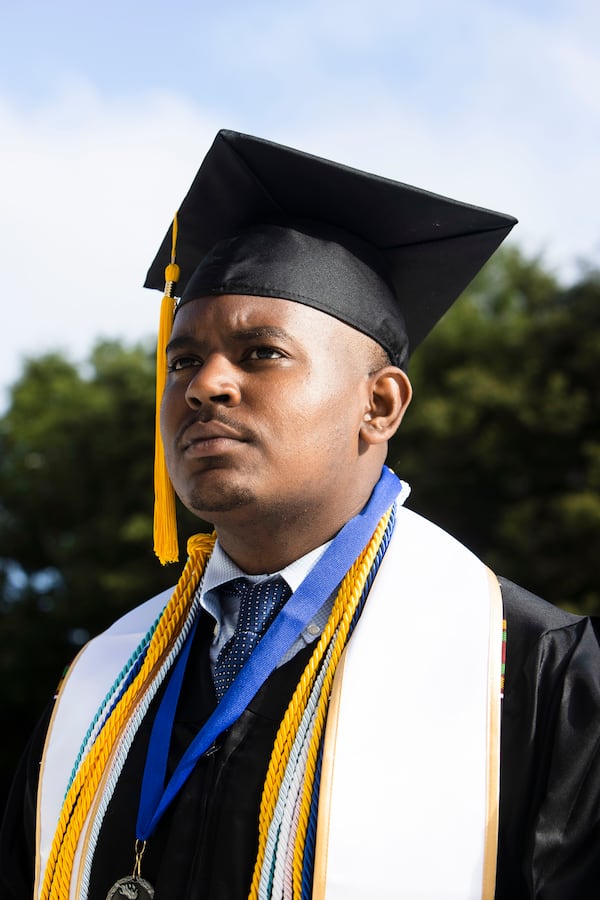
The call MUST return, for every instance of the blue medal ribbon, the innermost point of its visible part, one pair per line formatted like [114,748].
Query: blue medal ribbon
[304,603]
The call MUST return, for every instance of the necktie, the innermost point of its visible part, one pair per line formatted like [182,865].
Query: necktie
[258,606]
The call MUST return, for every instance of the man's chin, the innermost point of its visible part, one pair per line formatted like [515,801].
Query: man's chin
[206,504]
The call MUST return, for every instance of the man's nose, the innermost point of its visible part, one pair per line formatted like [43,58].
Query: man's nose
[214,381]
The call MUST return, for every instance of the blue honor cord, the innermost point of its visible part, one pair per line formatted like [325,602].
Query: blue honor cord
[304,603]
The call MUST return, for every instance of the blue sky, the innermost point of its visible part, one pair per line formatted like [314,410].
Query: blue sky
[107,109]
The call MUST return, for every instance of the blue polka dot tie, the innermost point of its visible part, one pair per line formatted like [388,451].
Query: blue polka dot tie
[258,605]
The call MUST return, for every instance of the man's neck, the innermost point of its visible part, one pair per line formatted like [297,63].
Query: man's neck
[259,547]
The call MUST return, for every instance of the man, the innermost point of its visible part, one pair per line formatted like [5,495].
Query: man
[315,710]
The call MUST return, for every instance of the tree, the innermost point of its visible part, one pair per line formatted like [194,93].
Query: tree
[76,451]
[503,442]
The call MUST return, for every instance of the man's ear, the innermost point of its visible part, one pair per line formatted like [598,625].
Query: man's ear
[390,394]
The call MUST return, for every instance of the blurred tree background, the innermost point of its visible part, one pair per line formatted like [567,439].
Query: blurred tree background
[501,446]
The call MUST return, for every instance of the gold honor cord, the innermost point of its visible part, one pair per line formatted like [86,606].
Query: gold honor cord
[337,628]
[80,797]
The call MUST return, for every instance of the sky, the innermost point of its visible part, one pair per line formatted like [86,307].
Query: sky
[107,109]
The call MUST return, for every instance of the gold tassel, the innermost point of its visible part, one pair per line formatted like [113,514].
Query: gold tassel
[166,545]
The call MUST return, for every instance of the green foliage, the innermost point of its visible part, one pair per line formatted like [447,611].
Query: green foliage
[76,451]
[76,470]
[503,441]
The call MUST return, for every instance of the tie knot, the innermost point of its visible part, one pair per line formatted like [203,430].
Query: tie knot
[259,603]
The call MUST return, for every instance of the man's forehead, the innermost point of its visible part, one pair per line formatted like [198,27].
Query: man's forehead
[312,270]
[246,316]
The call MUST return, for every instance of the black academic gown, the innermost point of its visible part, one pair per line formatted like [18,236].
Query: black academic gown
[549,841]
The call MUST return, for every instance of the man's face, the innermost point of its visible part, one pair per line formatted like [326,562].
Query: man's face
[262,409]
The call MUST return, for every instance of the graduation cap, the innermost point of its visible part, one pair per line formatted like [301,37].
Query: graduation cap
[267,220]
[423,248]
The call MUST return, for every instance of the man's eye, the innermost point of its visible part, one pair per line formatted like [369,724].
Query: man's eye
[183,362]
[264,353]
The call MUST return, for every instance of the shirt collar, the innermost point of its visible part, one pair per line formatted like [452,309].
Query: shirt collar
[221,568]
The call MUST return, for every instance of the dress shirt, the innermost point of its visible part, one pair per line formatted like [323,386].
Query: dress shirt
[221,569]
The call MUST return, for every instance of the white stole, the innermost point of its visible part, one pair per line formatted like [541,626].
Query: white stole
[409,789]
[85,687]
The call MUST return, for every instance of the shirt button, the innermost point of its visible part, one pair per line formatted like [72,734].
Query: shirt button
[313,629]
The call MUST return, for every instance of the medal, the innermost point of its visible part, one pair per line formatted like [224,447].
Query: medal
[133,887]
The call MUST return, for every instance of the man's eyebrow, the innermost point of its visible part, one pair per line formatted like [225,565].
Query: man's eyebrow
[179,343]
[261,331]
[242,335]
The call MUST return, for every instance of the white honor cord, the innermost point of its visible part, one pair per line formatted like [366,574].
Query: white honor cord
[282,822]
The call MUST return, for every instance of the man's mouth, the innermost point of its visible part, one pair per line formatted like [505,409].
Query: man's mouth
[201,439]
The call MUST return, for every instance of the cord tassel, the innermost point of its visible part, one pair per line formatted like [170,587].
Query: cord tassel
[166,545]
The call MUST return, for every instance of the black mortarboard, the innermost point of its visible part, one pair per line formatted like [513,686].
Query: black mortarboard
[373,252]
[267,220]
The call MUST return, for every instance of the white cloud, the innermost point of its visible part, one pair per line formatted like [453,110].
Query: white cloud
[88,189]
[486,101]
